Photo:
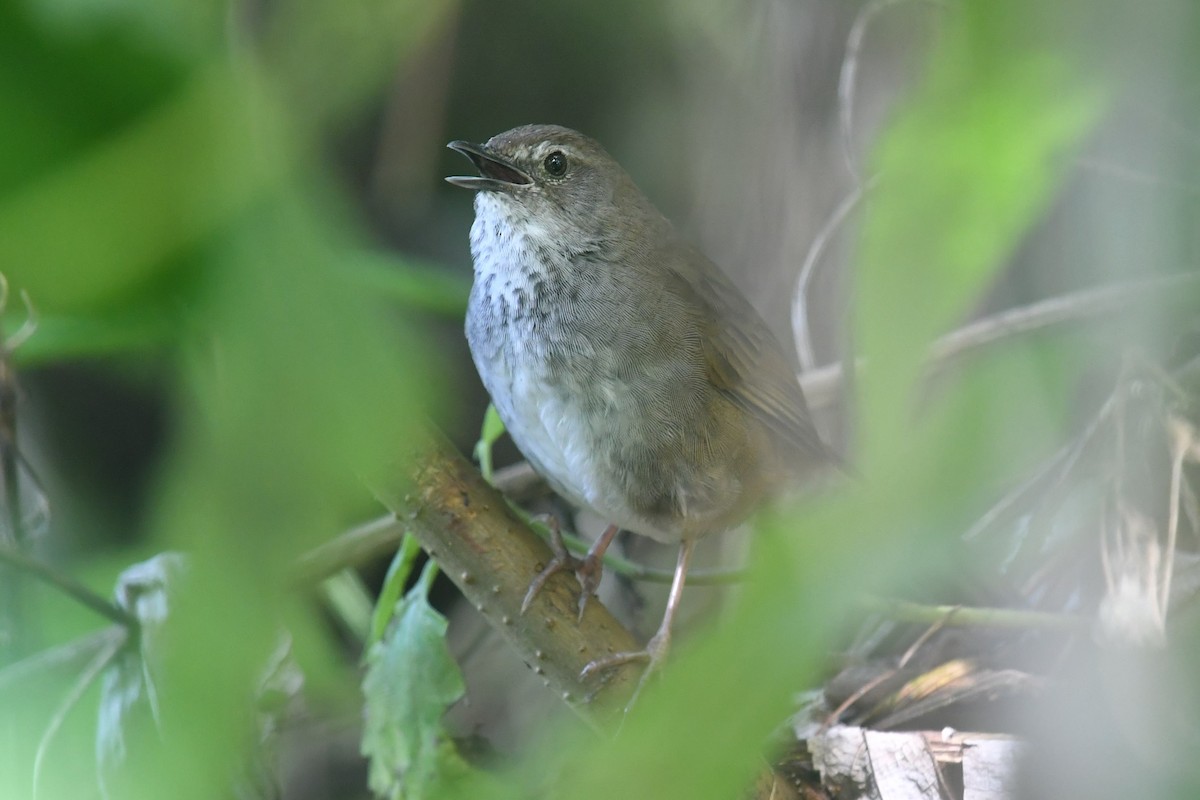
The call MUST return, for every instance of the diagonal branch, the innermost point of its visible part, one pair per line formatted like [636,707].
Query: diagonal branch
[67,585]
[491,556]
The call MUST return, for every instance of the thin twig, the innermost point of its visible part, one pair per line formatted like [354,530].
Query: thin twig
[1000,507]
[372,539]
[938,617]
[28,327]
[976,617]
[848,78]
[1132,175]
[62,655]
[1192,507]
[821,385]
[1061,464]
[1052,311]
[356,546]
[19,640]
[848,82]
[67,585]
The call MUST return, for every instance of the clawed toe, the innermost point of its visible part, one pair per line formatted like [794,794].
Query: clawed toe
[588,571]
[654,655]
[656,649]
[599,665]
[560,562]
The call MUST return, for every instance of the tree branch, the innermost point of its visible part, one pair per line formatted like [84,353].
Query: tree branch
[491,556]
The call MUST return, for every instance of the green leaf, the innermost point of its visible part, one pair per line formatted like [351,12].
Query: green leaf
[393,587]
[411,679]
[493,429]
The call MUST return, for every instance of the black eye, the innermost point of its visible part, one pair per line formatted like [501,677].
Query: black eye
[556,164]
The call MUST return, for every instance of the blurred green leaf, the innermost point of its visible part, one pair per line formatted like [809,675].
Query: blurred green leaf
[420,286]
[67,80]
[178,27]
[966,168]
[293,384]
[111,220]
[329,58]
[65,338]
[411,679]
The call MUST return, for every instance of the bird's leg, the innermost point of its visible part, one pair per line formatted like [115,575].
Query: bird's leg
[656,649]
[588,570]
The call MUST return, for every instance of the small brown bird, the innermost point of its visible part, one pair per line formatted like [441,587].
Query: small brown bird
[634,376]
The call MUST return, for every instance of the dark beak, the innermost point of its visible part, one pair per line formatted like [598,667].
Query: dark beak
[496,174]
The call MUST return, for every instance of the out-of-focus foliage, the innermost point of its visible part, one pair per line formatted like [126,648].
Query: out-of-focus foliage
[965,170]
[160,197]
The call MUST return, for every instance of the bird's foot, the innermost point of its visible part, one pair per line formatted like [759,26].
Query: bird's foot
[588,570]
[656,649]
[655,654]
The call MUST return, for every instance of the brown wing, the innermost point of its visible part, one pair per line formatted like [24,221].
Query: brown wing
[745,362]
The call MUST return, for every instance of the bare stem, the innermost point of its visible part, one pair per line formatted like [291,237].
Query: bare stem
[822,385]
[67,585]
[968,617]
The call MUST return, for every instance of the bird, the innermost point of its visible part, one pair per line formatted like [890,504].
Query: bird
[634,376]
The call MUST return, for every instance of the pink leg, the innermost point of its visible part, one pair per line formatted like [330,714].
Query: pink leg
[656,648]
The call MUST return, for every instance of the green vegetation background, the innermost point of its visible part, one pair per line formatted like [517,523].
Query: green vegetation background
[246,324]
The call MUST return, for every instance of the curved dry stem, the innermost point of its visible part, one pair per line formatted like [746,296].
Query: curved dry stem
[28,327]
[801,330]
[101,660]
[848,77]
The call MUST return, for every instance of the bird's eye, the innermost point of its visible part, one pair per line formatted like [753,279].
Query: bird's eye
[556,164]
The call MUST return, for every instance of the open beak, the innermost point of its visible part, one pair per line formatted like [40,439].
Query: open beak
[496,174]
